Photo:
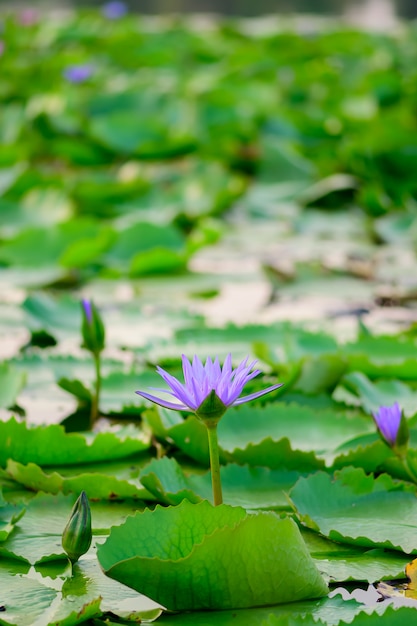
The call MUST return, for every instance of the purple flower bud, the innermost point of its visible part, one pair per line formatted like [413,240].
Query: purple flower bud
[78,73]
[92,328]
[114,10]
[388,421]
[86,304]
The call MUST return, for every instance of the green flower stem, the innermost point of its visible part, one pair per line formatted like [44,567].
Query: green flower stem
[408,469]
[214,463]
[96,395]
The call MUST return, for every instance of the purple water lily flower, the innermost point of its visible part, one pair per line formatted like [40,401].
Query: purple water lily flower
[78,73]
[114,10]
[203,381]
[388,421]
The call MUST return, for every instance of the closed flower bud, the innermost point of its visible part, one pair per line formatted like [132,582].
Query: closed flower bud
[92,328]
[392,427]
[76,538]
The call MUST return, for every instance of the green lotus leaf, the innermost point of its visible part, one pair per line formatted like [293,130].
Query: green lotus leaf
[392,616]
[339,562]
[359,390]
[45,246]
[277,436]
[51,445]
[37,535]
[367,451]
[329,611]
[383,357]
[105,481]
[196,556]
[25,600]
[9,516]
[11,383]
[250,487]
[358,509]
[65,596]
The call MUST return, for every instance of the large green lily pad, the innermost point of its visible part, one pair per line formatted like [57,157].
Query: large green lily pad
[196,556]
[358,509]
[51,445]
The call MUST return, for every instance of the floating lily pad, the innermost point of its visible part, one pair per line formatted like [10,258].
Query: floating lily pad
[339,562]
[368,452]
[383,357]
[66,597]
[371,395]
[42,247]
[45,519]
[307,429]
[223,558]
[51,445]
[358,509]
[60,316]
[392,615]
[327,611]
[114,481]
[11,383]
[262,436]
[250,487]
[9,516]
[191,438]
[25,601]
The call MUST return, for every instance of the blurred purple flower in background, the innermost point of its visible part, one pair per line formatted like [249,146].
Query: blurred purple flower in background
[78,73]
[114,10]
[388,420]
[2,47]
[28,16]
